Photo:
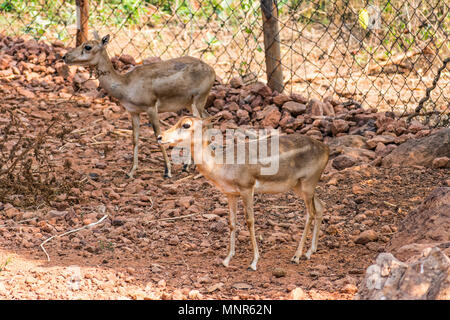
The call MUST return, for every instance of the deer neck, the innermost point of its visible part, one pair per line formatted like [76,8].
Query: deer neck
[203,155]
[109,78]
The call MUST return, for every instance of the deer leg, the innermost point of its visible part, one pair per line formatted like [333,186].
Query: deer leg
[310,213]
[153,115]
[135,119]
[319,207]
[247,198]
[232,204]
[198,106]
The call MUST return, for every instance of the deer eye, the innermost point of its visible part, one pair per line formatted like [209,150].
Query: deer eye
[87,47]
[186,125]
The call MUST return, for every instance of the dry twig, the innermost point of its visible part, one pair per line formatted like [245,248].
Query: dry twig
[69,232]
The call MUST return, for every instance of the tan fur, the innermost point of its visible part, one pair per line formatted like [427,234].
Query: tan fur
[162,86]
[301,163]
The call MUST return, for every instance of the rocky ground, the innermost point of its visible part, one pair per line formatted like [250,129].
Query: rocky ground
[165,238]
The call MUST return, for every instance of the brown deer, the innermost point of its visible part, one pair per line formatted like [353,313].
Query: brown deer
[300,163]
[163,86]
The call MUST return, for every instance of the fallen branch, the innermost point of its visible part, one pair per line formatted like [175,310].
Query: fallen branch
[182,179]
[174,218]
[69,232]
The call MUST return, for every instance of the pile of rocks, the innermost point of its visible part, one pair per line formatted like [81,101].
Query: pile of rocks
[425,278]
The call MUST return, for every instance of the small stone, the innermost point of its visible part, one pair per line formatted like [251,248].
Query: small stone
[241,286]
[236,82]
[281,99]
[220,211]
[298,294]
[339,126]
[442,162]
[127,59]
[62,70]
[219,104]
[366,236]
[272,117]
[316,107]
[384,139]
[299,98]
[173,241]
[350,288]
[243,115]
[294,108]
[343,161]
[214,287]
[279,272]
[195,294]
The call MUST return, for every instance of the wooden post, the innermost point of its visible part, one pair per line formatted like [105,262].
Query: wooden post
[272,45]
[82,21]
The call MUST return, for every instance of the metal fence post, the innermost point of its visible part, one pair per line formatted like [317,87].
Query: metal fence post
[271,32]
[82,21]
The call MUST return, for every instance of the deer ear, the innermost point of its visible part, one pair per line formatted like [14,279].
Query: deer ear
[105,40]
[212,119]
[96,36]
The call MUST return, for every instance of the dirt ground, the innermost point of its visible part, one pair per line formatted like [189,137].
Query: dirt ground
[165,238]
[162,238]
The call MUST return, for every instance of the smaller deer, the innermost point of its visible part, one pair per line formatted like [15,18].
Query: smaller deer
[169,85]
[301,161]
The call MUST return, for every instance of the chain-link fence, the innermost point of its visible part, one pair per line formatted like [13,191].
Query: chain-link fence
[386,54]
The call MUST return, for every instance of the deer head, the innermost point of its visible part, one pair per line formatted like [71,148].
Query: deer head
[88,53]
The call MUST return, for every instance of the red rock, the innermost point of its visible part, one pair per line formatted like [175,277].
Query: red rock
[243,115]
[442,162]
[299,98]
[127,59]
[415,126]
[281,99]
[257,101]
[330,100]
[219,103]
[185,202]
[339,126]
[26,93]
[272,117]
[294,108]
[385,139]
[366,237]
[328,109]
[233,106]
[350,288]
[298,294]
[41,115]
[261,89]
[382,122]
[62,69]
[227,115]
[316,107]
[236,82]
[343,161]
[287,121]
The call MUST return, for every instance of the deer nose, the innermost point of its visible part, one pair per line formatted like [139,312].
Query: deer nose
[159,139]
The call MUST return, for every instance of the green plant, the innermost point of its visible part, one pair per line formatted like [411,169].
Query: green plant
[106,245]
[5,263]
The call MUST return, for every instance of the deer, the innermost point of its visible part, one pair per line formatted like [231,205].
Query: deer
[163,86]
[300,163]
